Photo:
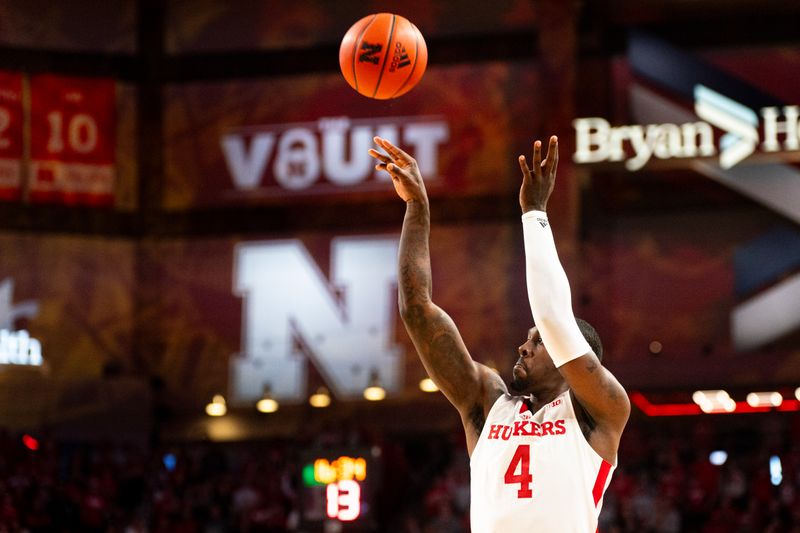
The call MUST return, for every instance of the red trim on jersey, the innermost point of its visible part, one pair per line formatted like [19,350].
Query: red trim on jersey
[600,482]
[523,407]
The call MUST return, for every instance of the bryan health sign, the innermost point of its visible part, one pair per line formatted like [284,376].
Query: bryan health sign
[597,140]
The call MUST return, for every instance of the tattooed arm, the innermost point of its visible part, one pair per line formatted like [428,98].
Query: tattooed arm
[471,387]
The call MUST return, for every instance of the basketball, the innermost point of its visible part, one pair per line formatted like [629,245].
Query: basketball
[383,56]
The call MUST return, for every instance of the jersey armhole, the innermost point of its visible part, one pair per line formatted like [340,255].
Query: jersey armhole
[575,415]
[505,395]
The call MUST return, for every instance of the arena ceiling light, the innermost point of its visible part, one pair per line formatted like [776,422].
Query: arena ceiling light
[267,404]
[217,407]
[427,385]
[374,391]
[321,398]
[764,399]
[714,401]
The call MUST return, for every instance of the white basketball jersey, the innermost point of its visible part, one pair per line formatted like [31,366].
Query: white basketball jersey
[535,472]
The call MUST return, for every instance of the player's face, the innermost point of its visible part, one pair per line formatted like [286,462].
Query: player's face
[533,364]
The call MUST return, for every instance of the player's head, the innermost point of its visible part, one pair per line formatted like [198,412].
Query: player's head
[535,370]
[591,336]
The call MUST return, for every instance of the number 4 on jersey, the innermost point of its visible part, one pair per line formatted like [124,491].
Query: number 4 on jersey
[521,461]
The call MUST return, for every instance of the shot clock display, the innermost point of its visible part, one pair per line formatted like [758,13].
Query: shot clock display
[339,486]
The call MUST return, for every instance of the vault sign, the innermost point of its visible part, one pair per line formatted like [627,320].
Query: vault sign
[327,156]
[778,129]
[293,314]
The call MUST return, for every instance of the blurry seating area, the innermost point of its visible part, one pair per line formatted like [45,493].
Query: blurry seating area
[666,482]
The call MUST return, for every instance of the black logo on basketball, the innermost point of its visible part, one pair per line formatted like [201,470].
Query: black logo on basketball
[370,53]
[400,58]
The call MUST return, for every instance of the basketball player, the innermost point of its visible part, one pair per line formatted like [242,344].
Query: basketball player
[542,455]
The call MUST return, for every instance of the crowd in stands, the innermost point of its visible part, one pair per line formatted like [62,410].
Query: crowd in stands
[665,482]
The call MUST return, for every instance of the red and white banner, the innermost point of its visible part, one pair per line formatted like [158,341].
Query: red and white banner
[73,138]
[11,143]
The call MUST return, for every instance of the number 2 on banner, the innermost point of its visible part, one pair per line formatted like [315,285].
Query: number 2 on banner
[521,461]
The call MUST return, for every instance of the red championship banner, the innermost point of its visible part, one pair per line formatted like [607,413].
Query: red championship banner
[10,134]
[73,137]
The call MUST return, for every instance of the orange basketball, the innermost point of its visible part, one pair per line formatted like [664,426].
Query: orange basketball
[383,56]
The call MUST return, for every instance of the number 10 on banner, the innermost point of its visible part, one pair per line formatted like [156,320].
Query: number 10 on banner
[81,134]
[73,137]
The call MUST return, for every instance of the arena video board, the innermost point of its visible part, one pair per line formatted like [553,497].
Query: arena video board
[283,312]
[732,117]
[305,138]
[231,316]
[279,311]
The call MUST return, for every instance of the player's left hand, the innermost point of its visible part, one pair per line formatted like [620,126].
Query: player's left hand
[538,182]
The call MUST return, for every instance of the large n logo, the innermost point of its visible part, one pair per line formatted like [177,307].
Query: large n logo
[292,314]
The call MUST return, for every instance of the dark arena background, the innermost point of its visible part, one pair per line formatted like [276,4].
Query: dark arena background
[199,327]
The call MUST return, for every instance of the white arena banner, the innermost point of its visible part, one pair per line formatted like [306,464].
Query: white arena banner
[293,315]
[777,130]
[17,347]
[327,155]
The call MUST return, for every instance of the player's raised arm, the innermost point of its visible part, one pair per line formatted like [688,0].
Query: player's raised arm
[596,389]
[468,385]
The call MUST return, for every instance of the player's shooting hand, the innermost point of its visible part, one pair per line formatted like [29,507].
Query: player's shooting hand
[402,168]
[538,182]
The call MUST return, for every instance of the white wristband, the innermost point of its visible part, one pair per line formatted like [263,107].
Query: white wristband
[549,293]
